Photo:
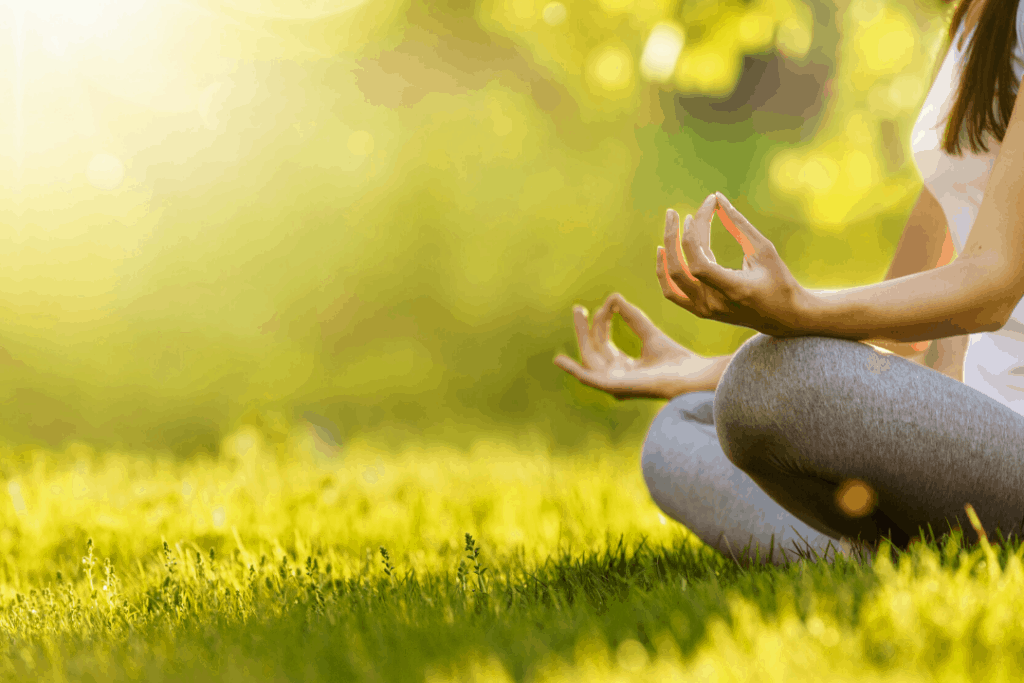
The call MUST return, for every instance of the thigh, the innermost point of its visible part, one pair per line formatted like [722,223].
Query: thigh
[805,416]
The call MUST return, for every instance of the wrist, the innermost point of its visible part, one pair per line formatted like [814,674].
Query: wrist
[707,379]
[809,305]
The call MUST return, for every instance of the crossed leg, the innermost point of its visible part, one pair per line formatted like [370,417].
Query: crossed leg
[794,421]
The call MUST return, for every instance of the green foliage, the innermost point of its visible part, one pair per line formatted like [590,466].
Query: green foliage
[380,215]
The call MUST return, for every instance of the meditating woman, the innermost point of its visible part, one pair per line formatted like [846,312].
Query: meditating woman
[807,439]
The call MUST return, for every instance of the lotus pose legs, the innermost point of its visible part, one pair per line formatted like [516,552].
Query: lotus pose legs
[807,443]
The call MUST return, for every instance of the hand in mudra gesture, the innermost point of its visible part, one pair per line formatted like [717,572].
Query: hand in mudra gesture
[664,369]
[763,296]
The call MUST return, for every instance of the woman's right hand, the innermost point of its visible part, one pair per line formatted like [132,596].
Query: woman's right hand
[664,369]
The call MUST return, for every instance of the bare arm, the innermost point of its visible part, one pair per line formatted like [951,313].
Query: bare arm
[964,297]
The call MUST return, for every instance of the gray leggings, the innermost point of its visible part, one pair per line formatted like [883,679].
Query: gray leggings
[768,459]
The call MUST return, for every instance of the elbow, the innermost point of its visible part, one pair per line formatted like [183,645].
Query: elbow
[1002,308]
[990,326]
[997,315]
[1001,290]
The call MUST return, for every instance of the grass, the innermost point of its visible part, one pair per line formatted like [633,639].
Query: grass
[276,562]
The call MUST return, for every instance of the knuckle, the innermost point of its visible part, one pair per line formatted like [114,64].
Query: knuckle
[741,294]
[719,306]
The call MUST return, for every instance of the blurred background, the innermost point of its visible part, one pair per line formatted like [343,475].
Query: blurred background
[368,219]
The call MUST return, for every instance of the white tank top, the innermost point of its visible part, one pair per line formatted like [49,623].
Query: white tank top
[994,363]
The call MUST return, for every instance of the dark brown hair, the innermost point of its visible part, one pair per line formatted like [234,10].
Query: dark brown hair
[987,77]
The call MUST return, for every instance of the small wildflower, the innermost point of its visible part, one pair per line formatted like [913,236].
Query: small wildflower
[388,567]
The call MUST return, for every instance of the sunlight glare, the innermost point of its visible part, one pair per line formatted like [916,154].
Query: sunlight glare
[105,172]
[289,9]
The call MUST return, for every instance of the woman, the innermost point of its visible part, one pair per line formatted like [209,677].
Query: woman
[806,438]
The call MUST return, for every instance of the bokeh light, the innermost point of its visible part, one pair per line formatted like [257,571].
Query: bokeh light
[884,42]
[856,498]
[360,143]
[554,13]
[658,60]
[611,68]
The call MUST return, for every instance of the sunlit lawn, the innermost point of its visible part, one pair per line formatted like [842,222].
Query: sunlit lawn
[273,570]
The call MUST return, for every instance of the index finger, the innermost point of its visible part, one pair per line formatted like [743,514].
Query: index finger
[634,317]
[746,234]
[748,248]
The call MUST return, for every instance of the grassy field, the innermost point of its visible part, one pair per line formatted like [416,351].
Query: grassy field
[286,561]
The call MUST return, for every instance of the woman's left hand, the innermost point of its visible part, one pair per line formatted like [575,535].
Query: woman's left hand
[764,295]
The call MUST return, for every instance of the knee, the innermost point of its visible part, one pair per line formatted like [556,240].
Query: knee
[779,361]
[671,434]
[742,395]
[762,356]
[760,394]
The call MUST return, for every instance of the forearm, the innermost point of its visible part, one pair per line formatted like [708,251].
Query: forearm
[923,297]
[955,299]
